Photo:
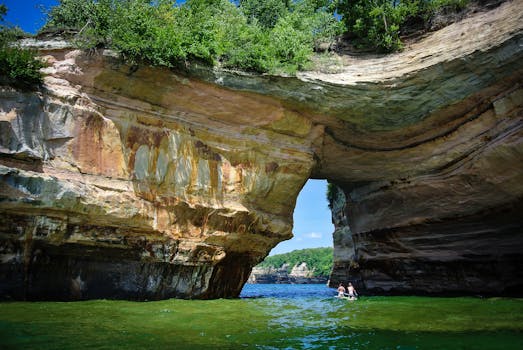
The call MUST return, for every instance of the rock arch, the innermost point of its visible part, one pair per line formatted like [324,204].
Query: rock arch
[149,184]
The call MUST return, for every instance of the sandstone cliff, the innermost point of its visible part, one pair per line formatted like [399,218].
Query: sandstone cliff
[139,182]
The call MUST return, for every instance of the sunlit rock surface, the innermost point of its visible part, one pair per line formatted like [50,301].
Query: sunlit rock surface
[141,183]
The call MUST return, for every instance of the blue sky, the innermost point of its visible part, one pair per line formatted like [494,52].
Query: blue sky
[26,13]
[312,220]
[312,217]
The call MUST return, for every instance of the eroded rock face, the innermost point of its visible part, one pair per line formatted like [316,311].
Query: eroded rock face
[141,183]
[149,185]
[434,206]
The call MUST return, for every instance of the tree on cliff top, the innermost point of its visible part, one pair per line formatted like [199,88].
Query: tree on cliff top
[378,24]
[3,11]
[18,67]
[216,32]
[253,35]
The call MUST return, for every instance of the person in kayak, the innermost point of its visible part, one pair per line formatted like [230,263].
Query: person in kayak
[351,291]
[341,290]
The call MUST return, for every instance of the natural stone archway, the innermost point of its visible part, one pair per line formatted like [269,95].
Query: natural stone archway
[119,182]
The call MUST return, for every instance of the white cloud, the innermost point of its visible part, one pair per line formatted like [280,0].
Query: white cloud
[313,235]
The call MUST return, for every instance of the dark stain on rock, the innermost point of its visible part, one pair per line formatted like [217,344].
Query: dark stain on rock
[206,152]
[271,167]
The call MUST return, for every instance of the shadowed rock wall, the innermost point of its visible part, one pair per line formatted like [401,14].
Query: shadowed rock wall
[142,183]
[434,206]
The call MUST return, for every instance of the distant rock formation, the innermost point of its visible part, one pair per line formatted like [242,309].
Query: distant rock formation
[300,274]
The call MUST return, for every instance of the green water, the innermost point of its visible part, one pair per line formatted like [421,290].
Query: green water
[266,323]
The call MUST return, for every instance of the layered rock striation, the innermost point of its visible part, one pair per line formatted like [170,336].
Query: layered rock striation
[142,183]
[432,205]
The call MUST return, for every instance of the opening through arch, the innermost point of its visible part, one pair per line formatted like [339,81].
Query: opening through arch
[307,258]
[313,226]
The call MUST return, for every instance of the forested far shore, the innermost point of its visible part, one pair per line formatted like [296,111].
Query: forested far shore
[318,260]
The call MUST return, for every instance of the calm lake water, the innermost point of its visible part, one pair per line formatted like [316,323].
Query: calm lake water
[267,317]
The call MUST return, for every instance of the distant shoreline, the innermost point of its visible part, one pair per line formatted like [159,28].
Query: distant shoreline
[278,279]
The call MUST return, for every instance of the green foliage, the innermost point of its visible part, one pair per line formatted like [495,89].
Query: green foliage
[147,33]
[10,34]
[452,5]
[371,23]
[262,36]
[265,12]
[92,18]
[319,259]
[253,51]
[72,14]
[293,38]
[212,27]
[332,193]
[377,24]
[3,11]
[18,67]
[258,35]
